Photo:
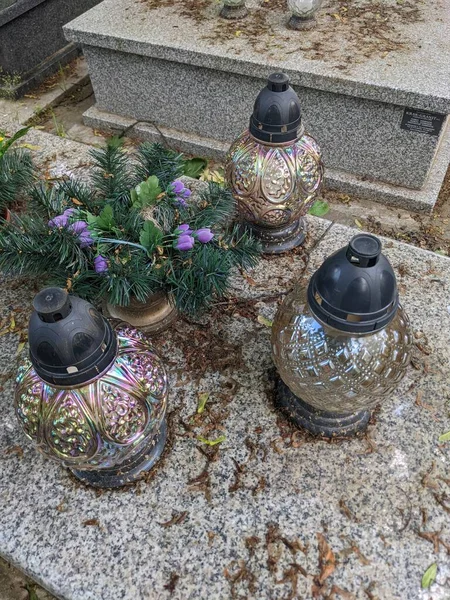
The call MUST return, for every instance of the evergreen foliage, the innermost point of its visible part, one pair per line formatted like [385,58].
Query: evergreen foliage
[131,231]
[16,171]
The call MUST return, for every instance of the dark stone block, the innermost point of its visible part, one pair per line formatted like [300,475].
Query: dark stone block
[31,36]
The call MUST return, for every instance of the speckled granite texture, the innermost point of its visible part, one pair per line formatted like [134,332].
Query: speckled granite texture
[422,200]
[244,519]
[210,86]
[58,156]
[418,77]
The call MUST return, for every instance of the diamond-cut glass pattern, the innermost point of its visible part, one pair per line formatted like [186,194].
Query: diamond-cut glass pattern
[337,371]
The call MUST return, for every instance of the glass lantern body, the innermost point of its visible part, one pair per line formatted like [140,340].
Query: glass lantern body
[105,422]
[335,371]
[304,9]
[274,185]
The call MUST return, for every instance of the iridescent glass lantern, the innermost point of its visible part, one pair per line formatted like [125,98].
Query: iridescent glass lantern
[91,397]
[233,9]
[303,13]
[341,345]
[275,169]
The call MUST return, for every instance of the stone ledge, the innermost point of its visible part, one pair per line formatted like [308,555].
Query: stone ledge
[125,27]
[16,9]
[415,200]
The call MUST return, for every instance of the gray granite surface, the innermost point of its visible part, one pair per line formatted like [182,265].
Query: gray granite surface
[415,73]
[20,7]
[6,4]
[247,521]
[54,156]
[359,136]
[422,200]
[184,73]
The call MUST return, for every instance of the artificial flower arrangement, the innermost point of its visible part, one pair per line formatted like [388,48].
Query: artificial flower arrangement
[132,231]
[16,170]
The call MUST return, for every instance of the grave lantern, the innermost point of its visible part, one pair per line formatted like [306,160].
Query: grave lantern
[233,9]
[275,169]
[303,13]
[89,396]
[342,344]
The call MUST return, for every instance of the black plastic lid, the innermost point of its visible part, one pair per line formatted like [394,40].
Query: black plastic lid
[355,289]
[70,342]
[276,115]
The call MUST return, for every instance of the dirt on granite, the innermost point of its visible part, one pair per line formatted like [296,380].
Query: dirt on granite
[430,232]
[346,32]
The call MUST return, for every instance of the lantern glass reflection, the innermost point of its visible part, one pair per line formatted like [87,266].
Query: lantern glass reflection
[341,344]
[333,370]
[109,425]
[233,9]
[275,169]
[303,13]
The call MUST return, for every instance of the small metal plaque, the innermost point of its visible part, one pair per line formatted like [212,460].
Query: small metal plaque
[422,121]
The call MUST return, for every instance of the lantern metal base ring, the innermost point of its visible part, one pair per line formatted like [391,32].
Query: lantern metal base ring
[318,422]
[152,317]
[130,470]
[283,239]
[300,23]
[233,12]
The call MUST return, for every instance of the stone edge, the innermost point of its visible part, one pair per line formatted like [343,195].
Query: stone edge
[43,70]
[254,68]
[400,197]
[17,9]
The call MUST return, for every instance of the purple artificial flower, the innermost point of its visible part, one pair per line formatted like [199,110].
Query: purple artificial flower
[100,264]
[85,239]
[78,226]
[177,186]
[59,221]
[185,242]
[180,191]
[183,229]
[204,235]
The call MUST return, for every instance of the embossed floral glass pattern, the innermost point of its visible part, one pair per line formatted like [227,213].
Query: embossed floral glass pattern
[105,422]
[274,185]
[336,371]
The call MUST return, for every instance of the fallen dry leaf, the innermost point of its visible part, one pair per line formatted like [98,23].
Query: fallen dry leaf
[176,519]
[327,559]
[91,523]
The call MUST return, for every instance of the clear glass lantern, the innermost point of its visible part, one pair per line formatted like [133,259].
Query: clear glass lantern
[91,397]
[303,13]
[341,345]
[274,169]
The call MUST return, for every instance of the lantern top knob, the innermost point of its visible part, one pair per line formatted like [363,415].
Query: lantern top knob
[70,342]
[276,115]
[52,304]
[355,289]
[278,82]
[364,250]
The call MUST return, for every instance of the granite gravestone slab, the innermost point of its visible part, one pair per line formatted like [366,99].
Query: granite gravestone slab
[249,517]
[271,497]
[196,80]
[32,43]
